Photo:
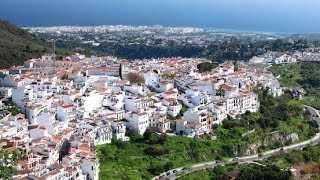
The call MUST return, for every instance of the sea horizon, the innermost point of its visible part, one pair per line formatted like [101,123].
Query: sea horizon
[298,17]
[207,29]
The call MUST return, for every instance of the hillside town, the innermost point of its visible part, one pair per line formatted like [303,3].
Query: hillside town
[286,57]
[57,111]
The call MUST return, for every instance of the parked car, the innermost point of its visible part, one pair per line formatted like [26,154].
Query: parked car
[174,171]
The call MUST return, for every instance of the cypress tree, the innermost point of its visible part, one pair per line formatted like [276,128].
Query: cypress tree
[120,71]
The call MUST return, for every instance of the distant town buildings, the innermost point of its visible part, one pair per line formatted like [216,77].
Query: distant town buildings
[286,58]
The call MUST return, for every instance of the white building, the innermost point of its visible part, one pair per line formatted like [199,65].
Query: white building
[66,112]
[138,122]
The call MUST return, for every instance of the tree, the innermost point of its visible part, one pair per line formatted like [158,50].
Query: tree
[59,58]
[295,157]
[7,163]
[14,110]
[64,77]
[18,45]
[183,110]
[220,92]
[135,78]
[64,150]
[28,48]
[235,66]
[206,66]
[156,151]
[156,169]
[120,71]
[251,172]
[168,165]
[147,134]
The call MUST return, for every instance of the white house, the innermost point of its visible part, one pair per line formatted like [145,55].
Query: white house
[160,123]
[119,130]
[37,131]
[174,107]
[138,122]
[151,78]
[103,135]
[134,103]
[47,57]
[47,119]
[66,112]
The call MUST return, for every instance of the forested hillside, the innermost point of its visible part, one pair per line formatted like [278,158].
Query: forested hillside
[18,45]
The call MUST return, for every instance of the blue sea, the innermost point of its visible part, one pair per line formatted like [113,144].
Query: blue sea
[289,16]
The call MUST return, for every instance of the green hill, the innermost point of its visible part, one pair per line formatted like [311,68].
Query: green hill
[18,45]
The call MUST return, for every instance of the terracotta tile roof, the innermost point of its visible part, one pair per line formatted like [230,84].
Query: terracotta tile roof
[65,106]
[227,87]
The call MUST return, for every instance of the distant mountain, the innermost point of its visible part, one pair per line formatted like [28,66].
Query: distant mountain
[18,45]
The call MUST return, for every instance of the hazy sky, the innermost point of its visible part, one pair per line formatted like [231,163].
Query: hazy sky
[253,15]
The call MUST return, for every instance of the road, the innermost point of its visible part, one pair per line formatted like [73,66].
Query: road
[175,173]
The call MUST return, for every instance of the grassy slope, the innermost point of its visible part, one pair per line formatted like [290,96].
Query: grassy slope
[131,161]
[289,74]
[301,74]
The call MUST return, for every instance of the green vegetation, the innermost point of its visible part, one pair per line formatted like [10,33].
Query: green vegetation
[146,156]
[151,94]
[277,118]
[246,172]
[7,163]
[306,75]
[233,49]
[251,172]
[14,110]
[120,71]
[18,45]
[216,173]
[235,66]
[289,74]
[310,154]
[206,66]
[168,75]
[65,77]
[312,100]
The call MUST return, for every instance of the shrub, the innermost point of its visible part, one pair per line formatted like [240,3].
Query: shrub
[260,155]
[206,66]
[156,151]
